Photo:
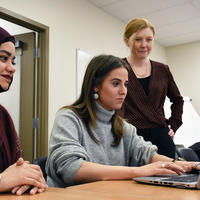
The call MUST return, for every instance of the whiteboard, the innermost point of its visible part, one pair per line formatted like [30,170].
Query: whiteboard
[82,60]
[188,133]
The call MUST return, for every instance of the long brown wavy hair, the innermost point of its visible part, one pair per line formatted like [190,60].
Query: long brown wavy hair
[85,106]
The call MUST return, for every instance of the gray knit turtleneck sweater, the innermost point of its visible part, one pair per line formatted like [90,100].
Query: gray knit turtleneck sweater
[70,145]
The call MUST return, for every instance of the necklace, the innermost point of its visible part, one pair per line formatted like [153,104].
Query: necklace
[141,74]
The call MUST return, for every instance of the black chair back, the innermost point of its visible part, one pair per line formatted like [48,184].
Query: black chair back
[187,154]
[196,147]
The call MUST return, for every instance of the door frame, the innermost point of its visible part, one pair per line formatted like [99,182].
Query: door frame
[43,74]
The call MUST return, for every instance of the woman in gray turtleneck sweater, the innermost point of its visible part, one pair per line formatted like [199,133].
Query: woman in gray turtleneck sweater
[91,142]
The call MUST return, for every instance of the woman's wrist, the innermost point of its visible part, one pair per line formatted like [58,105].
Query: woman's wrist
[1,183]
[178,159]
[4,185]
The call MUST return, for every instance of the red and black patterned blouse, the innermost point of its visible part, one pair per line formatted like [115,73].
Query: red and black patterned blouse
[147,111]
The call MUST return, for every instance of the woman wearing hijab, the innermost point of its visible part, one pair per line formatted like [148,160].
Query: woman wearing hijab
[16,175]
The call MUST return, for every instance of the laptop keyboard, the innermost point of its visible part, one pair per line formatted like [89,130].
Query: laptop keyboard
[188,178]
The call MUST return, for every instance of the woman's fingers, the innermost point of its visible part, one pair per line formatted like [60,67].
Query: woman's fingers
[166,171]
[36,183]
[19,190]
[34,190]
[20,161]
[32,175]
[171,132]
[172,166]
[20,176]
[188,166]
[22,189]
[14,190]
[167,168]
[40,190]
[34,172]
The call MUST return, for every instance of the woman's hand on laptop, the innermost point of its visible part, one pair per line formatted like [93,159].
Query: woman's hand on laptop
[160,168]
[189,166]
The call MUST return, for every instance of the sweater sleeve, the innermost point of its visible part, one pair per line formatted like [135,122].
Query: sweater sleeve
[66,154]
[177,103]
[140,151]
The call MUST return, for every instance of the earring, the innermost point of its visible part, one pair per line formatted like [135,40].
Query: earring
[96,96]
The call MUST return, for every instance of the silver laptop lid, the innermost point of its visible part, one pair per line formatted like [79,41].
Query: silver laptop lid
[181,181]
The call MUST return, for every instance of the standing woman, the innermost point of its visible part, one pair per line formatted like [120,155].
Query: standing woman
[149,84]
[16,175]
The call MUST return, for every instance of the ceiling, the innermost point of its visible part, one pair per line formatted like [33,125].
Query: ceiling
[176,21]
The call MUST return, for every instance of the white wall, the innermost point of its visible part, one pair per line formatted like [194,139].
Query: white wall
[184,62]
[73,24]
[158,53]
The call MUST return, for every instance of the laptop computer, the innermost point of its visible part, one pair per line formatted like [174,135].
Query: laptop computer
[186,180]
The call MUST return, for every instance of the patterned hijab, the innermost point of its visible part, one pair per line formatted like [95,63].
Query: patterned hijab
[5,37]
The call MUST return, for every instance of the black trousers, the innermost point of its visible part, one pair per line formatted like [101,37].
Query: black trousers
[160,138]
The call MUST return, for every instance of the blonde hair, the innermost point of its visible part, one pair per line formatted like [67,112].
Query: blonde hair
[136,25]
